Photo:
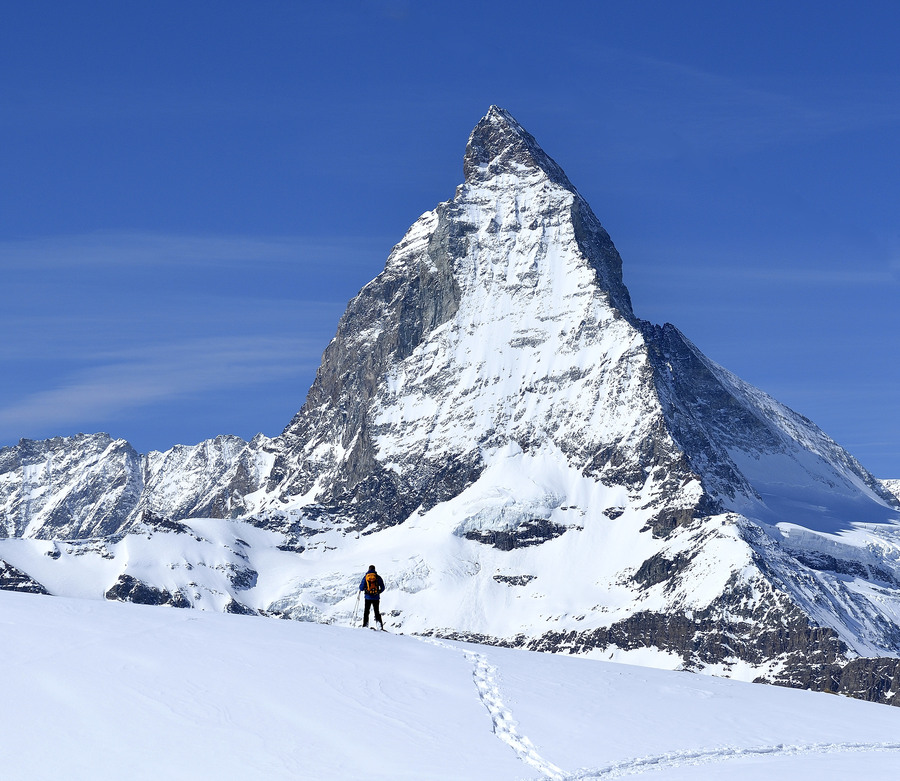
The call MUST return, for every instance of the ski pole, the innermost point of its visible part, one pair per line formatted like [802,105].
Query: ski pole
[356,609]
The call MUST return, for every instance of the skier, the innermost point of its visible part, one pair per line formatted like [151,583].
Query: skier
[372,585]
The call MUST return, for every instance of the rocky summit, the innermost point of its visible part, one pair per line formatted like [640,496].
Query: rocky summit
[527,462]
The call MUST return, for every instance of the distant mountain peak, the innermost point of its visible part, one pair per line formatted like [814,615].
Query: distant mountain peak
[499,144]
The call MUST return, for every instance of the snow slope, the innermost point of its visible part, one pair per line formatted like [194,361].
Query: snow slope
[97,690]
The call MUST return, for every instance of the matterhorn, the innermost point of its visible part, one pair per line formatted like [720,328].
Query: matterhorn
[529,463]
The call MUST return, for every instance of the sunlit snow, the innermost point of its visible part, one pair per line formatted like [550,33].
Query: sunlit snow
[98,691]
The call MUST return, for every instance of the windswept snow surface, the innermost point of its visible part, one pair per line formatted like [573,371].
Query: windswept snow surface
[97,690]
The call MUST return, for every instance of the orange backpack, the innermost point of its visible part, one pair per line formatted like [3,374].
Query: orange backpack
[371,583]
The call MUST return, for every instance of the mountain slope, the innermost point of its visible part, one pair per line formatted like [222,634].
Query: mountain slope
[528,462]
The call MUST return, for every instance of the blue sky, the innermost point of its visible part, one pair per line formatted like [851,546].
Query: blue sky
[190,192]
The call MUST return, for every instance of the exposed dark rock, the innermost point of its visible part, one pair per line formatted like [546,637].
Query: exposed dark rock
[163,524]
[613,466]
[446,633]
[130,589]
[292,548]
[658,568]
[707,637]
[12,579]
[385,498]
[876,680]
[526,534]
[236,608]
[515,580]
[668,519]
[242,578]
[863,678]
[826,562]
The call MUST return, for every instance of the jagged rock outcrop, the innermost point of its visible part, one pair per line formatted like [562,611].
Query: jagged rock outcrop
[893,486]
[68,487]
[12,579]
[94,486]
[211,479]
[130,589]
[500,317]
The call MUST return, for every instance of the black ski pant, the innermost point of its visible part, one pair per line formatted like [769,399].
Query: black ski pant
[372,603]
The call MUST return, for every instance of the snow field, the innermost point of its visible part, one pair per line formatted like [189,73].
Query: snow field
[106,691]
[97,690]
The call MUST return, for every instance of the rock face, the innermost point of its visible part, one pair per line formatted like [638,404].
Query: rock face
[539,466]
[414,387]
[94,486]
[12,579]
[893,486]
[84,486]
[130,589]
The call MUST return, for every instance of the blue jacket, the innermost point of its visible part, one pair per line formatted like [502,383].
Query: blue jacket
[362,587]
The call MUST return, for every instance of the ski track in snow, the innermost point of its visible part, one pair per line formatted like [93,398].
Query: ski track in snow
[505,726]
[674,759]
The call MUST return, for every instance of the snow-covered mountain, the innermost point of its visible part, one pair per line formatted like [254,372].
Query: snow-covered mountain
[528,463]
[149,694]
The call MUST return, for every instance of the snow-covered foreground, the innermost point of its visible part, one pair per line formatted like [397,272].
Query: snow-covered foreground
[97,690]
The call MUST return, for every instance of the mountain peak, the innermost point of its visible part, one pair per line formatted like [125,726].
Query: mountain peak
[499,144]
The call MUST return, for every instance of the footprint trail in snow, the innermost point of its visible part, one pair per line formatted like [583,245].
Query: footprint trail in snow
[505,726]
[507,729]
[674,759]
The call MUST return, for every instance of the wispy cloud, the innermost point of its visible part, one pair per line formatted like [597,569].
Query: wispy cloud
[159,249]
[895,266]
[783,275]
[159,373]
[107,335]
[787,263]
[672,109]
[76,298]
[103,325]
